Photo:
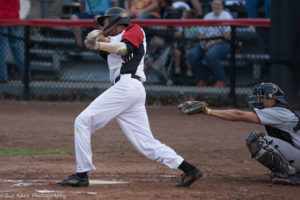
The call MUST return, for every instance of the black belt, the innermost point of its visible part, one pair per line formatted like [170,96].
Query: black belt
[132,76]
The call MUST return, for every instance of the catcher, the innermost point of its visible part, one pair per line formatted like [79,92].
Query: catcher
[280,151]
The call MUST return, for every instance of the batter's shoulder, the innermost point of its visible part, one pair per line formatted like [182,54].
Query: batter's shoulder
[134,34]
[133,27]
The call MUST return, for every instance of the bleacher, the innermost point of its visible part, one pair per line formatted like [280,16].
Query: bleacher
[53,54]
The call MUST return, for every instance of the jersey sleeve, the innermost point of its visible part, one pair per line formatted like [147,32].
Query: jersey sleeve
[273,116]
[134,35]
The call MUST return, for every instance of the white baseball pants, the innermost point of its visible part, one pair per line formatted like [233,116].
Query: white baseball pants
[124,101]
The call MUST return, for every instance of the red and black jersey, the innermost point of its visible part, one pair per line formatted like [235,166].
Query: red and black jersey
[133,63]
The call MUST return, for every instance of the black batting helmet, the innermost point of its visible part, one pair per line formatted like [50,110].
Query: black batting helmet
[265,91]
[113,13]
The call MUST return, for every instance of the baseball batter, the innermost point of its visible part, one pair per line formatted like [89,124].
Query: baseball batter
[280,151]
[124,47]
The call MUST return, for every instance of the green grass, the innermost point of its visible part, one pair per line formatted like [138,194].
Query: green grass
[27,152]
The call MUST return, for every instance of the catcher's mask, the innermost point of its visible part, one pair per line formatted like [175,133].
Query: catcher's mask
[265,91]
[113,13]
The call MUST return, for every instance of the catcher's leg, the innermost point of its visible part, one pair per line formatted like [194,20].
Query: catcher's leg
[269,155]
[291,154]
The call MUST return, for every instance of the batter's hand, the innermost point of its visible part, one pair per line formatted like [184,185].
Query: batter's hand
[91,36]
[192,107]
[102,38]
[90,39]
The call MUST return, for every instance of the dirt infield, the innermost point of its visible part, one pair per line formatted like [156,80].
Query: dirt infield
[216,146]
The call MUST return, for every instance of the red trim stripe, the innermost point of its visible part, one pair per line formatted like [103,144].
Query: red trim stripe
[143,23]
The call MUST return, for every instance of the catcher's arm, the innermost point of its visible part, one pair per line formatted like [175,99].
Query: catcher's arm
[233,115]
[195,107]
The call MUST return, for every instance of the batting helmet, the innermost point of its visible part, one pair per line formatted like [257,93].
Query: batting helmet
[265,91]
[113,13]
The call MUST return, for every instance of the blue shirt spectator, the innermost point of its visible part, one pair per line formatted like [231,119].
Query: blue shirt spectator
[93,7]
[211,51]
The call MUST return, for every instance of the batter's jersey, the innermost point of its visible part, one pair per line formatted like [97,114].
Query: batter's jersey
[134,62]
[282,119]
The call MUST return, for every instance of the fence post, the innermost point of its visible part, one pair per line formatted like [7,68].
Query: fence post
[26,63]
[233,66]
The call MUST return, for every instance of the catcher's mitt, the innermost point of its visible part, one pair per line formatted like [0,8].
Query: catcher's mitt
[192,107]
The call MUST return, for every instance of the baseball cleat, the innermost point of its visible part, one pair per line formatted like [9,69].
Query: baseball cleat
[75,181]
[189,178]
[288,180]
[273,175]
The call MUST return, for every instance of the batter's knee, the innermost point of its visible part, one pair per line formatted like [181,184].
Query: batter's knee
[79,120]
[82,121]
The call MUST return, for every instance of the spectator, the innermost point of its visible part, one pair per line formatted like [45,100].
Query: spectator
[180,4]
[90,9]
[163,5]
[211,51]
[38,11]
[234,2]
[157,45]
[175,9]
[252,8]
[53,11]
[187,35]
[201,6]
[196,5]
[143,9]
[236,8]
[10,10]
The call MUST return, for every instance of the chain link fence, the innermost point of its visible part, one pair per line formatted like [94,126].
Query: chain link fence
[45,60]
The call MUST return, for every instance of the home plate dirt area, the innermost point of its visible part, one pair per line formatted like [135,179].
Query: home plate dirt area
[216,146]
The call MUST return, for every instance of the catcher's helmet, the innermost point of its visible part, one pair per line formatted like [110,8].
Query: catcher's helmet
[265,91]
[113,13]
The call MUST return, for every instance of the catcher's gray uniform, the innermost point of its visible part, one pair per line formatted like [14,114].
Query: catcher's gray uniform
[282,119]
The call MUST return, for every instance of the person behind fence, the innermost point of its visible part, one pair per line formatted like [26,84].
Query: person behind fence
[50,9]
[253,11]
[157,45]
[186,37]
[38,9]
[175,9]
[211,51]
[194,5]
[143,9]
[280,150]
[197,7]
[90,9]
[124,47]
[10,10]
